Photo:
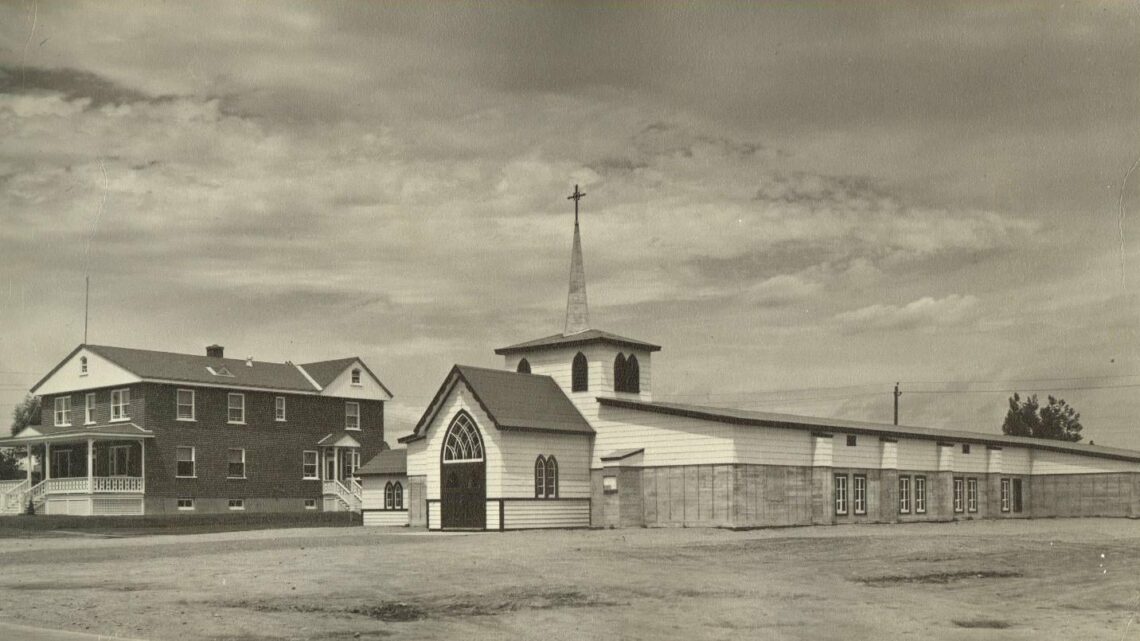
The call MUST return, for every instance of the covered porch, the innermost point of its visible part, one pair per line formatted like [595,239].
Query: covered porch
[340,457]
[96,471]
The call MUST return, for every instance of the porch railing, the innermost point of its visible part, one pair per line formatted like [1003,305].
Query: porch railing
[12,496]
[99,484]
[343,493]
[134,484]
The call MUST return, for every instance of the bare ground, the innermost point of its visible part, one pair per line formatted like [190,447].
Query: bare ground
[1042,579]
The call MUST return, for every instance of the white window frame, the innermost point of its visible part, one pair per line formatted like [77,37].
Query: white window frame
[113,461]
[920,495]
[120,404]
[1006,494]
[316,475]
[62,410]
[859,494]
[193,462]
[971,494]
[279,409]
[310,504]
[237,505]
[904,495]
[178,405]
[185,508]
[244,471]
[356,377]
[89,408]
[959,495]
[230,408]
[841,494]
[83,366]
[348,415]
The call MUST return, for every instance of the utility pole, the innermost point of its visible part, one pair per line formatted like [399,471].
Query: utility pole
[897,395]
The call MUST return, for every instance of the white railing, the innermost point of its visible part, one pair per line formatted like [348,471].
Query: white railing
[134,484]
[11,486]
[12,496]
[357,489]
[98,484]
[37,492]
[344,494]
[67,485]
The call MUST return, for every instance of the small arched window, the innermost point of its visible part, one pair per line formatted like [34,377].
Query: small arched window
[539,477]
[82,365]
[619,373]
[524,367]
[632,375]
[551,478]
[389,496]
[580,374]
[397,496]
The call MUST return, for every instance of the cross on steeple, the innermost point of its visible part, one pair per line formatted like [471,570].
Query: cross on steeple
[576,196]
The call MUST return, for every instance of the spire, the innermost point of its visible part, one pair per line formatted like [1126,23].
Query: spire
[577,312]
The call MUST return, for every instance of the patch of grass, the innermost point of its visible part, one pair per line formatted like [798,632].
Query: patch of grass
[988,624]
[938,577]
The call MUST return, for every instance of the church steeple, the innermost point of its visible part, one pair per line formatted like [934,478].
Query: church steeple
[577,312]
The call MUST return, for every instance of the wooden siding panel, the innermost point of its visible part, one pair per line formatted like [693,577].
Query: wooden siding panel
[917,454]
[1046,462]
[668,440]
[546,514]
[372,490]
[519,451]
[385,518]
[866,453]
[771,446]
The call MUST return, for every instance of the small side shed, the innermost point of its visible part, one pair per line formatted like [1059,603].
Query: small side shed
[384,480]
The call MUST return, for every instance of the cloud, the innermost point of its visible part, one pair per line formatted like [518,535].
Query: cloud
[925,313]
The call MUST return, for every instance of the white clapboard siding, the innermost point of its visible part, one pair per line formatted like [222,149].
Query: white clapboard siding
[100,373]
[972,463]
[521,449]
[434,514]
[771,446]
[385,518]
[372,490]
[1047,462]
[558,364]
[668,440]
[1016,460]
[917,454]
[424,455]
[546,514]
[492,515]
[866,453]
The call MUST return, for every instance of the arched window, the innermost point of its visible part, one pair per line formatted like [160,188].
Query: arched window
[524,367]
[551,478]
[389,496]
[462,442]
[580,374]
[82,365]
[632,375]
[619,373]
[397,496]
[539,477]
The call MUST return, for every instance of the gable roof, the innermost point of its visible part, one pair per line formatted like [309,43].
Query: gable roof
[325,372]
[579,338]
[388,462]
[513,401]
[791,421]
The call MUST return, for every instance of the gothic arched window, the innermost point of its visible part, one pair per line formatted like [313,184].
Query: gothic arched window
[545,477]
[632,375]
[551,478]
[389,496]
[462,442]
[397,496]
[539,477]
[580,374]
[619,373]
[524,367]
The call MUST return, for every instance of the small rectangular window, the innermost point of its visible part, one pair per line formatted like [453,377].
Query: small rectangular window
[236,504]
[236,408]
[356,377]
[959,494]
[185,456]
[310,504]
[236,464]
[120,404]
[309,465]
[185,404]
[859,485]
[972,495]
[965,448]
[904,495]
[351,416]
[609,484]
[63,410]
[1005,495]
[851,440]
[920,495]
[279,408]
[841,494]
[186,504]
[89,409]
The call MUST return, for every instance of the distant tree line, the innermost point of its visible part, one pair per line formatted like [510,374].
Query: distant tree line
[1057,420]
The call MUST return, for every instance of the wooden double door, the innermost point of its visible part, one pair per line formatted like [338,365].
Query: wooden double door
[463,495]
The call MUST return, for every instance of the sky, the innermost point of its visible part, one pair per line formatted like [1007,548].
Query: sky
[803,203]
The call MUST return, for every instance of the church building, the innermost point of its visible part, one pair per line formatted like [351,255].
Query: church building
[567,434]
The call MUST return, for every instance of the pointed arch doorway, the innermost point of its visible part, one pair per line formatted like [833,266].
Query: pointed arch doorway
[463,476]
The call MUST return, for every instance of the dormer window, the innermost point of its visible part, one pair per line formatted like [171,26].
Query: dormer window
[356,377]
[83,366]
[219,371]
[580,374]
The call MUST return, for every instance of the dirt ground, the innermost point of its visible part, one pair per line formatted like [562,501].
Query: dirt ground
[1046,579]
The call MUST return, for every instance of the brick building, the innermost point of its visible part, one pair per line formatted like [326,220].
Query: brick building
[130,431]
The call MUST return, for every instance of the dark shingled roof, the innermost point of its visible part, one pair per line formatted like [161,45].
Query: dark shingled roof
[191,368]
[581,338]
[769,419]
[386,463]
[325,372]
[512,401]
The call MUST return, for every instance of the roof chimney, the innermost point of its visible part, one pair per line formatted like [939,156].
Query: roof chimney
[215,351]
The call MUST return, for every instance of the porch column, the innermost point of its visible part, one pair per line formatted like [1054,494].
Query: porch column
[336,464]
[28,447]
[47,460]
[142,459]
[90,466]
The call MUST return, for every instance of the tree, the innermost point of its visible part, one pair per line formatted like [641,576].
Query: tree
[27,413]
[1057,420]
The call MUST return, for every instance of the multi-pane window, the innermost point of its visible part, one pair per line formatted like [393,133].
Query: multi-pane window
[185,456]
[394,496]
[545,477]
[89,408]
[185,404]
[351,416]
[1005,495]
[852,441]
[965,448]
[904,495]
[859,494]
[959,492]
[279,408]
[841,494]
[186,504]
[356,377]
[83,366]
[920,495]
[63,410]
[972,495]
[309,464]
[120,460]
[236,467]
[310,504]
[236,408]
[120,404]
[236,504]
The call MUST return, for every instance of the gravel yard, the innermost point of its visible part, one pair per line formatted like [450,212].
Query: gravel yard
[1047,579]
